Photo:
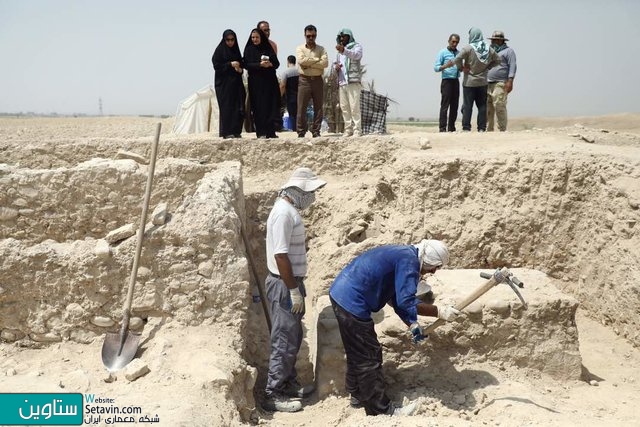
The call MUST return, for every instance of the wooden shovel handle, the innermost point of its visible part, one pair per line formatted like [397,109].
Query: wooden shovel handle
[143,220]
[263,296]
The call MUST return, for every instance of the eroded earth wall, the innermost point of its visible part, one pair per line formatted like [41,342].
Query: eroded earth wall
[193,269]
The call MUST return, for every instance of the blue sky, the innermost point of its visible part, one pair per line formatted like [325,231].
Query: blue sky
[143,57]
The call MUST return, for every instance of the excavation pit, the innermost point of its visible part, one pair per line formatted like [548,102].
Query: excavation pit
[559,215]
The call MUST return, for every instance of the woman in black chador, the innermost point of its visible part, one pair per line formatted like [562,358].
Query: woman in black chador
[264,93]
[228,65]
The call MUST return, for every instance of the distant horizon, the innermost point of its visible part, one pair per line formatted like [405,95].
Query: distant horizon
[389,118]
[144,57]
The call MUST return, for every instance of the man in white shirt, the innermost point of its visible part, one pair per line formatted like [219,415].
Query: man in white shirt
[287,264]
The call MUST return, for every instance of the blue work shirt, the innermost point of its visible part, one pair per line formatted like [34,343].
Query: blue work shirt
[443,57]
[386,274]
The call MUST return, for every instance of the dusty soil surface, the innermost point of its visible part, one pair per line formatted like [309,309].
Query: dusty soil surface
[173,389]
[180,357]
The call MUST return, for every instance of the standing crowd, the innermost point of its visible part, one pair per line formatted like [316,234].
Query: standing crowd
[301,85]
[488,74]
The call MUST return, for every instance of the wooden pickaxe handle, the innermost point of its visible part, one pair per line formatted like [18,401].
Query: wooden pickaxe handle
[471,298]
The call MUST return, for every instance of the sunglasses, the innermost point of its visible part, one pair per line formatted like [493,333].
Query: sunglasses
[310,36]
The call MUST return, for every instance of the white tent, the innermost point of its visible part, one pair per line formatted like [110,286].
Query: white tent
[197,113]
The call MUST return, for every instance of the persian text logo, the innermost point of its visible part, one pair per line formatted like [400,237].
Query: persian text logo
[28,409]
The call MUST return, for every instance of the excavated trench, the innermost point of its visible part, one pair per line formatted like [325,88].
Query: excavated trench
[570,215]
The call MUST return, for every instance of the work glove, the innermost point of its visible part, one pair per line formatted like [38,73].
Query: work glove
[297,301]
[448,313]
[416,331]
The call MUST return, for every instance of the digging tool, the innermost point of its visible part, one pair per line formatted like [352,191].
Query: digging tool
[119,349]
[263,297]
[499,276]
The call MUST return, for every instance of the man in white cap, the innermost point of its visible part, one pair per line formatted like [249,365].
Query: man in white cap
[500,80]
[287,264]
[384,275]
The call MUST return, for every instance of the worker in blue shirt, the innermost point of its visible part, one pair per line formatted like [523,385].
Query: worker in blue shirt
[383,275]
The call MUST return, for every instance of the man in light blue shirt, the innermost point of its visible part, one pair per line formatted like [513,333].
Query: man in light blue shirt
[450,86]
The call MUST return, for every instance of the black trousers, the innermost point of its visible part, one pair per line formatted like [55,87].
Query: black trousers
[292,108]
[450,91]
[479,96]
[364,378]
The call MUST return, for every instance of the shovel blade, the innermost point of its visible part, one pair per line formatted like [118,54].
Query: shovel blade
[116,354]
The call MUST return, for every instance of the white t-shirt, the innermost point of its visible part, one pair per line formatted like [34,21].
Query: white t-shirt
[286,235]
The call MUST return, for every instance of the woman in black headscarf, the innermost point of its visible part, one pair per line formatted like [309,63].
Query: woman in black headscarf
[228,65]
[264,93]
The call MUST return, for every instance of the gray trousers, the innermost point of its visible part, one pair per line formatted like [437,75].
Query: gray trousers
[286,334]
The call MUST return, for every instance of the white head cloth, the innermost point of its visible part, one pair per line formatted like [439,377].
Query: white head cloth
[433,253]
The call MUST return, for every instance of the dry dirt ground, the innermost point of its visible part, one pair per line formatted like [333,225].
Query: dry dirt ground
[606,395]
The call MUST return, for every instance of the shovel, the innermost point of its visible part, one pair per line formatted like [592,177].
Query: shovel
[119,349]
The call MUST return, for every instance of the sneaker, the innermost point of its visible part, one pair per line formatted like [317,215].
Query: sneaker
[280,403]
[355,403]
[315,135]
[347,134]
[301,134]
[357,134]
[294,389]
[405,411]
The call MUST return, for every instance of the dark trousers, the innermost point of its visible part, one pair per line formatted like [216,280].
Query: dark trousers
[292,108]
[310,88]
[364,379]
[479,96]
[450,91]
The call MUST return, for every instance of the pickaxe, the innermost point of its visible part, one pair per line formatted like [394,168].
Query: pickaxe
[499,276]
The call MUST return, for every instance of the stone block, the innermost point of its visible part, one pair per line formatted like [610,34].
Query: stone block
[121,233]
[496,329]
[330,362]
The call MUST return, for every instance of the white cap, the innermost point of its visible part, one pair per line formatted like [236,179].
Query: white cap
[304,179]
